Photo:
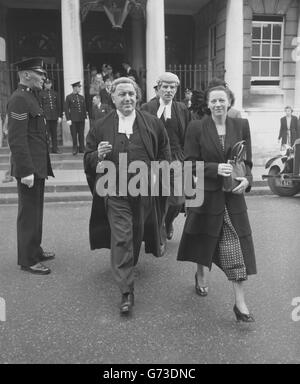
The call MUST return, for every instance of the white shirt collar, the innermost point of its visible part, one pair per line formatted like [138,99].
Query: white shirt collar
[164,109]
[126,123]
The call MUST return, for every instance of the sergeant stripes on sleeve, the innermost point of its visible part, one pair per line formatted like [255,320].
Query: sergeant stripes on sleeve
[19,116]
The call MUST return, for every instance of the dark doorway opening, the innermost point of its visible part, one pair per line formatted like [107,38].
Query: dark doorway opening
[102,44]
[98,59]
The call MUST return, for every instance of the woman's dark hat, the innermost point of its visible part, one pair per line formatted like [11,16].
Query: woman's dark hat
[34,64]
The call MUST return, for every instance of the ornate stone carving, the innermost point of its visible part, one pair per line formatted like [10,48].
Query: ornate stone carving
[41,44]
[116,10]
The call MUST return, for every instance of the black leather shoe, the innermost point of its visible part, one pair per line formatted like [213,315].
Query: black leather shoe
[57,151]
[201,291]
[243,317]
[127,303]
[75,151]
[47,256]
[37,269]
[170,231]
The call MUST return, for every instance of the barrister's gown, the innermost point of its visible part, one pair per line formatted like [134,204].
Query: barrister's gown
[179,110]
[202,229]
[155,139]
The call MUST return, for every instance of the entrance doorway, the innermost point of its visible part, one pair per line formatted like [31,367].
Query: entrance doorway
[98,59]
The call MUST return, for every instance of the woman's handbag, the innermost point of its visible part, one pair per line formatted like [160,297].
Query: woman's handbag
[238,165]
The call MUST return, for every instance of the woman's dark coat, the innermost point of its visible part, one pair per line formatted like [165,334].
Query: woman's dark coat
[156,142]
[204,224]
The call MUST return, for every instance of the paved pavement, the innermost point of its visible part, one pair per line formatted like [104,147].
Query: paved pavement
[71,316]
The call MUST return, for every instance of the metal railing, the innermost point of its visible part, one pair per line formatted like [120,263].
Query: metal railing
[194,76]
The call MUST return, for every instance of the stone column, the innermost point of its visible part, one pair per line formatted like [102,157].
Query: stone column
[155,43]
[234,49]
[71,44]
[3,12]
[2,76]
[296,57]
[72,53]
[2,49]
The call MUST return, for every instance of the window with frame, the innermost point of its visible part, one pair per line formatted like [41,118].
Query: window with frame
[267,43]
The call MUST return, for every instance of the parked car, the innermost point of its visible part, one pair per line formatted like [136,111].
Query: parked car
[284,172]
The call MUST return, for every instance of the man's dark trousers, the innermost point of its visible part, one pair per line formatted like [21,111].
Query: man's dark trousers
[77,128]
[30,222]
[124,234]
[119,213]
[52,132]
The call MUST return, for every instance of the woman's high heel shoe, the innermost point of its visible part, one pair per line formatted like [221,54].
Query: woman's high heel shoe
[201,291]
[243,316]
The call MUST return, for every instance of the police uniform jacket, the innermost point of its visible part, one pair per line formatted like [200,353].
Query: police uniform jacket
[50,105]
[27,135]
[75,108]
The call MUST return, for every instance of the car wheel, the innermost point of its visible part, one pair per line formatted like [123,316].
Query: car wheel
[277,188]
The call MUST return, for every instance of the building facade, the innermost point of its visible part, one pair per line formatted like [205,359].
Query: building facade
[253,43]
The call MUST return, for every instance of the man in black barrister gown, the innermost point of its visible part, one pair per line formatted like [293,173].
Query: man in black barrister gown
[30,163]
[175,116]
[123,221]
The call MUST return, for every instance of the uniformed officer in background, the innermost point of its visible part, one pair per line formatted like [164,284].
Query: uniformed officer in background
[30,162]
[52,112]
[75,110]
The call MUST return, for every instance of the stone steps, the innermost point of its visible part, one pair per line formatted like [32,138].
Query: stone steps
[68,192]
[10,188]
[55,165]
[65,197]
[5,150]
[52,197]
[70,184]
[4,158]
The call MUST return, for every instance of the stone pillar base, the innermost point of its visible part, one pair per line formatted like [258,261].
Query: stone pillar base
[66,134]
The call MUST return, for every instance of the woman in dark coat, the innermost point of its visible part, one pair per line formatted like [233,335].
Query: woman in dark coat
[219,230]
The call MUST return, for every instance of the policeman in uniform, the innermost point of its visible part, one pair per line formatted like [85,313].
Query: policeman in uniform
[75,110]
[30,163]
[51,107]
